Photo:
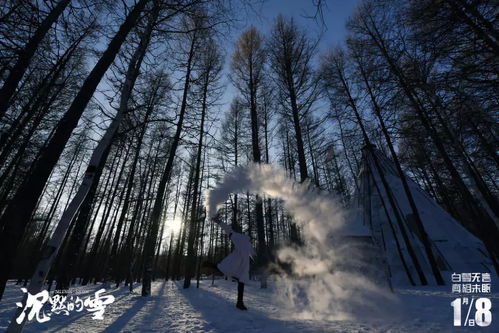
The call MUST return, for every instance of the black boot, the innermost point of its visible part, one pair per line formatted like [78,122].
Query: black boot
[240,293]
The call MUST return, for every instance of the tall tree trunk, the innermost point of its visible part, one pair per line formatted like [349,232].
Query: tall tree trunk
[481,34]
[262,251]
[130,78]
[193,225]
[302,162]
[419,223]
[150,243]
[25,56]
[488,230]
[17,213]
[270,223]
[386,186]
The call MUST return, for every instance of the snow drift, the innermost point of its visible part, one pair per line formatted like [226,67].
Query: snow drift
[328,279]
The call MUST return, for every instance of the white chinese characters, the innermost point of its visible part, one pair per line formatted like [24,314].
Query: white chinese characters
[471,283]
[63,305]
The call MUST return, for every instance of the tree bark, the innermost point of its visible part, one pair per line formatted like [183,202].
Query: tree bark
[25,56]
[193,225]
[17,213]
[150,243]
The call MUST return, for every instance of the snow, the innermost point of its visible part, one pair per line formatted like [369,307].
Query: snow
[454,247]
[212,309]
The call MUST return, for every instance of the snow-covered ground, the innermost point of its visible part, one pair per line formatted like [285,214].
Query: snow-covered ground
[211,309]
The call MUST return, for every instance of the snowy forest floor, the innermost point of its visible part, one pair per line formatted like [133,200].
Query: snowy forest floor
[212,309]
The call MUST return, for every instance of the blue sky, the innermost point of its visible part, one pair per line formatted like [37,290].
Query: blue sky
[335,14]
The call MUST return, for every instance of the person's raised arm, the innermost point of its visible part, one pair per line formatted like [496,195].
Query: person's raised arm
[225,227]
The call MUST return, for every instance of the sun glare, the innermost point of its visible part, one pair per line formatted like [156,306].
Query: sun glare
[176,224]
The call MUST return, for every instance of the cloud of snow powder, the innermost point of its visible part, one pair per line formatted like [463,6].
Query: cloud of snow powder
[327,279]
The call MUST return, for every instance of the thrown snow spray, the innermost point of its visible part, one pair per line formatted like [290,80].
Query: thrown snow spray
[322,283]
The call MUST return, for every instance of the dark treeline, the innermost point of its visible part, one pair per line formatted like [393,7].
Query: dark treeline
[112,126]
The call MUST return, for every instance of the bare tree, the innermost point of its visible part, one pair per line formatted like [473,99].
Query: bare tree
[22,205]
[247,67]
[208,76]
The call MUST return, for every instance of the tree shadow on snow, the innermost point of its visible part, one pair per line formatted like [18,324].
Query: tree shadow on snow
[139,304]
[221,314]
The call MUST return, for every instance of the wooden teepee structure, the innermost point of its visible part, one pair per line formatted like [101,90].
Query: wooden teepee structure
[384,208]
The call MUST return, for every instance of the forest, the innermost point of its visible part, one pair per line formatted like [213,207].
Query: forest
[115,122]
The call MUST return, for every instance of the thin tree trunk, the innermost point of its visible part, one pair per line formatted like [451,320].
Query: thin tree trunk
[150,243]
[189,267]
[488,231]
[16,73]
[386,186]
[17,213]
[419,223]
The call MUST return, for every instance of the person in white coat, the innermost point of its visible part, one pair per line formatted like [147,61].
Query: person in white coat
[236,265]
